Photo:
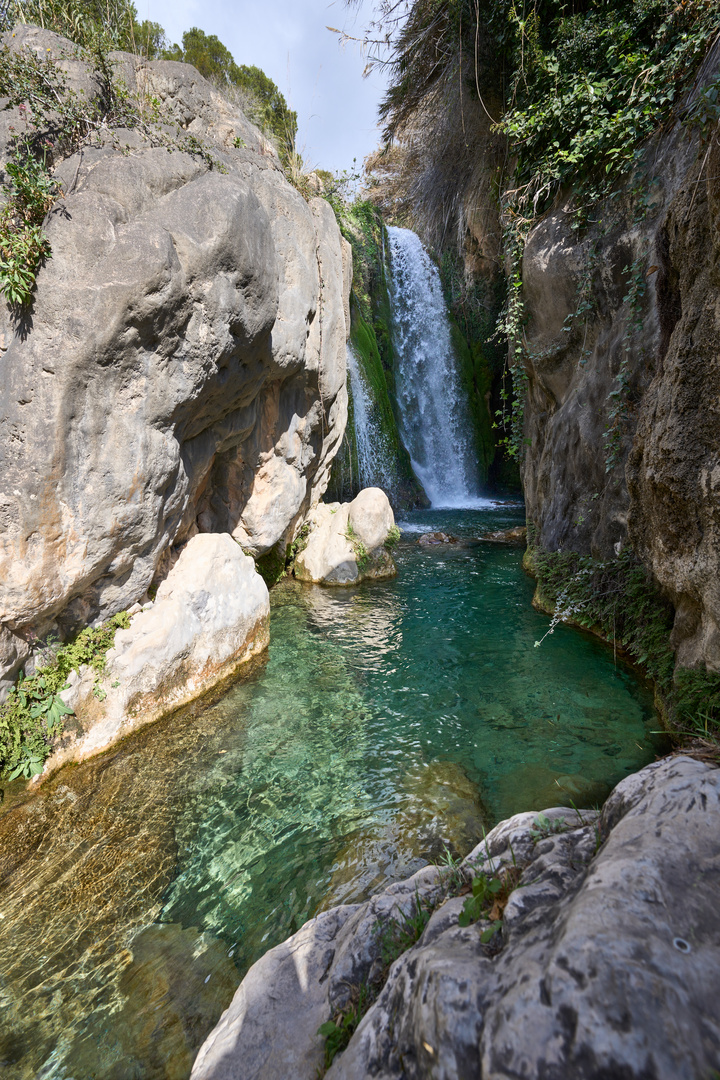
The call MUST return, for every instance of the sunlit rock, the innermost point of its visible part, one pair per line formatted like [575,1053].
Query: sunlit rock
[211,614]
[346,541]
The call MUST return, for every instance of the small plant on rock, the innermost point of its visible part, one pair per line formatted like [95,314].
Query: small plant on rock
[489,894]
[393,537]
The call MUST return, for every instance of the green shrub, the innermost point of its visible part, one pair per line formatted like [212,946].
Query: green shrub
[33,715]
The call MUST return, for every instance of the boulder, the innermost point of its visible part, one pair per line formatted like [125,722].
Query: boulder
[517,535]
[432,539]
[345,542]
[210,615]
[607,964]
[184,366]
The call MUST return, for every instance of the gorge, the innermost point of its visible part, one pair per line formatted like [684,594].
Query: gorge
[287,792]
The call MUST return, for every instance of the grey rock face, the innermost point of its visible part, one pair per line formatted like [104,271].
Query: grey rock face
[609,964]
[184,359]
[663,494]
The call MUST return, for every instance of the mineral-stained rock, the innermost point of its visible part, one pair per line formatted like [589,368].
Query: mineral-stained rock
[596,478]
[518,535]
[184,365]
[345,542]
[608,964]
[210,615]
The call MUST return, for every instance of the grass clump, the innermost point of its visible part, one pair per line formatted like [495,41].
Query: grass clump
[363,558]
[33,715]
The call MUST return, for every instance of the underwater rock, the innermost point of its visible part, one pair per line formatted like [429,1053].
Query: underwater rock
[210,615]
[432,538]
[518,535]
[441,813]
[345,544]
[184,367]
[608,962]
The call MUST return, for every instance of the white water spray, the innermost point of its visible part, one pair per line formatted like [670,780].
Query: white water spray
[435,421]
[375,457]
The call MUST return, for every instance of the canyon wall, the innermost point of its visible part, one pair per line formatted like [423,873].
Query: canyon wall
[182,366]
[622,441]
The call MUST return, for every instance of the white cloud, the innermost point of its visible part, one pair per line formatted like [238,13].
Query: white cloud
[322,80]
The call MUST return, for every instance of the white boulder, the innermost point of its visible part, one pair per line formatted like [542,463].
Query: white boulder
[210,615]
[346,541]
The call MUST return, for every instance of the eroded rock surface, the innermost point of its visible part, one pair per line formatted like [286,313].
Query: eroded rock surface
[184,367]
[210,615]
[609,964]
[623,341]
[346,541]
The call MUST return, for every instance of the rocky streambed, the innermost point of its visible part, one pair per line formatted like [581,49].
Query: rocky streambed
[386,724]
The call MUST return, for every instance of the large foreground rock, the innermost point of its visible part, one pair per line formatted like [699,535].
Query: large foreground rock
[345,543]
[609,965]
[210,615]
[184,365]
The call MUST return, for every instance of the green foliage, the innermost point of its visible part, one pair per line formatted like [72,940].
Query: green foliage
[275,117]
[265,104]
[362,555]
[34,713]
[23,245]
[696,702]
[574,92]
[95,25]
[619,599]
[543,826]
[397,935]
[393,537]
[338,1032]
[489,894]
[618,396]
[55,121]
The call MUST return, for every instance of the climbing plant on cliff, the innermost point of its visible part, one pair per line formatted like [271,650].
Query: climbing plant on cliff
[572,93]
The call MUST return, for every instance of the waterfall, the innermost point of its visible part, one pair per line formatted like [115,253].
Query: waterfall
[434,417]
[374,455]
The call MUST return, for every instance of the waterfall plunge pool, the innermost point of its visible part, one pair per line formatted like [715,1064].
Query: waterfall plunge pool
[386,722]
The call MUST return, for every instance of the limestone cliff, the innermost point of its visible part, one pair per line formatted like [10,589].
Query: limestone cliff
[182,367]
[623,345]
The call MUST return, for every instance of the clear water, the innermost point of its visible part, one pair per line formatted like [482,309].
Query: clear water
[387,722]
[434,418]
[376,463]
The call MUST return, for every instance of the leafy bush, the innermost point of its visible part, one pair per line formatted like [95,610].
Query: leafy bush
[34,713]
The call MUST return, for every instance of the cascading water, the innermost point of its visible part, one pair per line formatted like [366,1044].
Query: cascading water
[434,419]
[375,457]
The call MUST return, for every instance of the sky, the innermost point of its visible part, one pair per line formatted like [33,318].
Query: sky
[320,78]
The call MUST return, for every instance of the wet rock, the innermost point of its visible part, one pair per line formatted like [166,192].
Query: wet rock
[345,543]
[518,535]
[432,538]
[210,615]
[608,964]
[441,813]
[659,491]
